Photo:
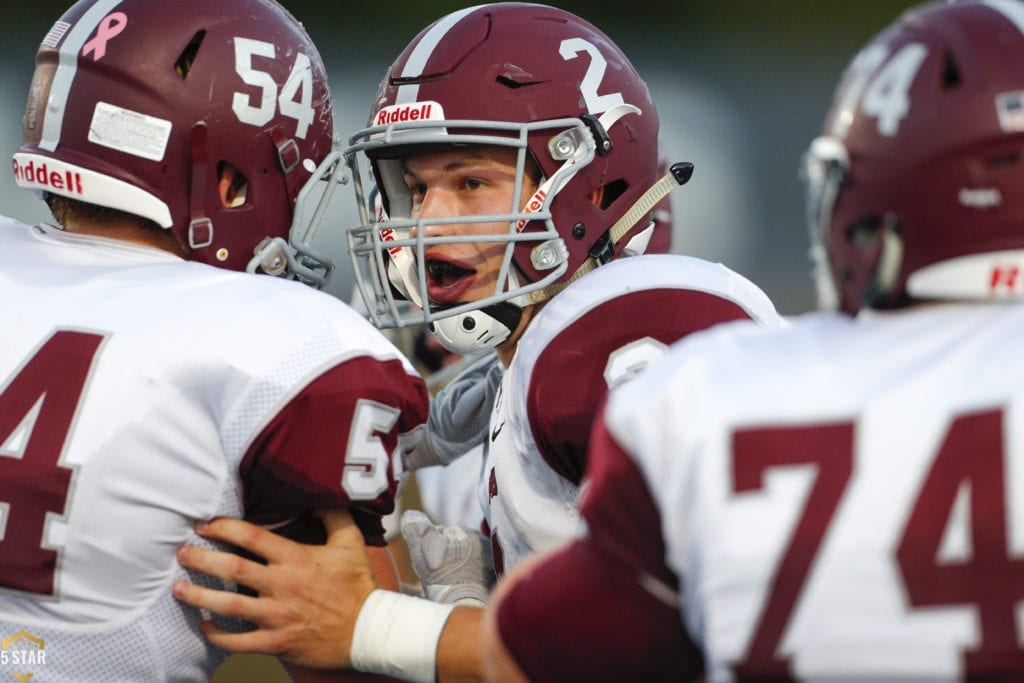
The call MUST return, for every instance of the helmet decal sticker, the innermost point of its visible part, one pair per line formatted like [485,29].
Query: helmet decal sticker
[53,121]
[419,57]
[129,131]
[1010,110]
[52,39]
[596,103]
[268,102]
[41,176]
[110,28]
[414,111]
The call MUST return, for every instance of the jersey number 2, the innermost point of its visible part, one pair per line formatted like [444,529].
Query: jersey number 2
[991,579]
[37,408]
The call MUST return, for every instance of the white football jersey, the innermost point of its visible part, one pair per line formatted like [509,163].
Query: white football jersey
[842,500]
[140,393]
[599,332]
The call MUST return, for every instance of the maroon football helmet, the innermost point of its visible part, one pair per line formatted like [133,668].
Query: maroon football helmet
[138,105]
[915,185]
[534,78]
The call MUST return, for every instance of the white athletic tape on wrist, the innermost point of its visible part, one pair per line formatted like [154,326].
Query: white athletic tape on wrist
[397,635]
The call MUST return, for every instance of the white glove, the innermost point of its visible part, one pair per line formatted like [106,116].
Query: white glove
[451,562]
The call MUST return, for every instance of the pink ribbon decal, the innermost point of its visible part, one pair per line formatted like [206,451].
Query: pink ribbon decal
[111,26]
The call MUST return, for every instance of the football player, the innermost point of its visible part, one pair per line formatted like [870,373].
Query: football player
[513,175]
[447,492]
[147,380]
[516,153]
[841,500]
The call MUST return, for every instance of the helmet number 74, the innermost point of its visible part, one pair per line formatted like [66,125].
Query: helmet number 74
[990,579]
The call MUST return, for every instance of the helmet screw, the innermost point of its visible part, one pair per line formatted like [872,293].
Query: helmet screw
[564,147]
[579,231]
[468,323]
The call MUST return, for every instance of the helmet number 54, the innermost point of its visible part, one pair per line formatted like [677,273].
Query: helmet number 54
[295,100]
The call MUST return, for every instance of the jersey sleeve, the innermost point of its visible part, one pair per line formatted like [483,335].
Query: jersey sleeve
[607,345]
[331,446]
[548,620]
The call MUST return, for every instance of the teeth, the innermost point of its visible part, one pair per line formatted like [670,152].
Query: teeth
[441,268]
[445,273]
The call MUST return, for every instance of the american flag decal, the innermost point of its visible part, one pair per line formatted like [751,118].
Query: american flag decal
[56,33]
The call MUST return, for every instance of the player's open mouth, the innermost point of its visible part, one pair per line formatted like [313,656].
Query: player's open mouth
[445,273]
[447,281]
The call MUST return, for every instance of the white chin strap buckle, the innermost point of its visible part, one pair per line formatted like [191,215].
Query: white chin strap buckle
[470,333]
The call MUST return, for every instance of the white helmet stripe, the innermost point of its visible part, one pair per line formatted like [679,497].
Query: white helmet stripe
[424,49]
[1010,9]
[74,41]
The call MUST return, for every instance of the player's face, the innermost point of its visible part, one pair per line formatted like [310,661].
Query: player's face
[463,182]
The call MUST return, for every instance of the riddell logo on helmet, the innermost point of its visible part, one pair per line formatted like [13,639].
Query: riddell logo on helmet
[416,111]
[1005,280]
[39,175]
[535,204]
[389,235]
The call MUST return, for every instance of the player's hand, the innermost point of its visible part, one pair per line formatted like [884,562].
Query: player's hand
[450,562]
[309,595]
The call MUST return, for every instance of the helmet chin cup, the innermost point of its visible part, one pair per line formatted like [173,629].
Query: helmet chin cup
[477,331]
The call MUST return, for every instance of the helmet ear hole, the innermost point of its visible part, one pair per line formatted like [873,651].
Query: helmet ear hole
[232,185]
[862,233]
[950,73]
[610,192]
[183,65]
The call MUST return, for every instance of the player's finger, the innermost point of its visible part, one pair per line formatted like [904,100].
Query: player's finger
[250,641]
[247,536]
[226,566]
[224,603]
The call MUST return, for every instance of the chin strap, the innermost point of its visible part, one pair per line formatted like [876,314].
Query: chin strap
[478,331]
[678,174]
[890,259]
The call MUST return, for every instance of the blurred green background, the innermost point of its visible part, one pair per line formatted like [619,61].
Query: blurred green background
[741,85]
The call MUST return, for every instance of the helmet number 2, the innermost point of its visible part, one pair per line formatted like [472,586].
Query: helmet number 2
[295,100]
[596,104]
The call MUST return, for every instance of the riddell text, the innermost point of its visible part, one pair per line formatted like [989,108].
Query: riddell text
[40,175]
[413,112]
